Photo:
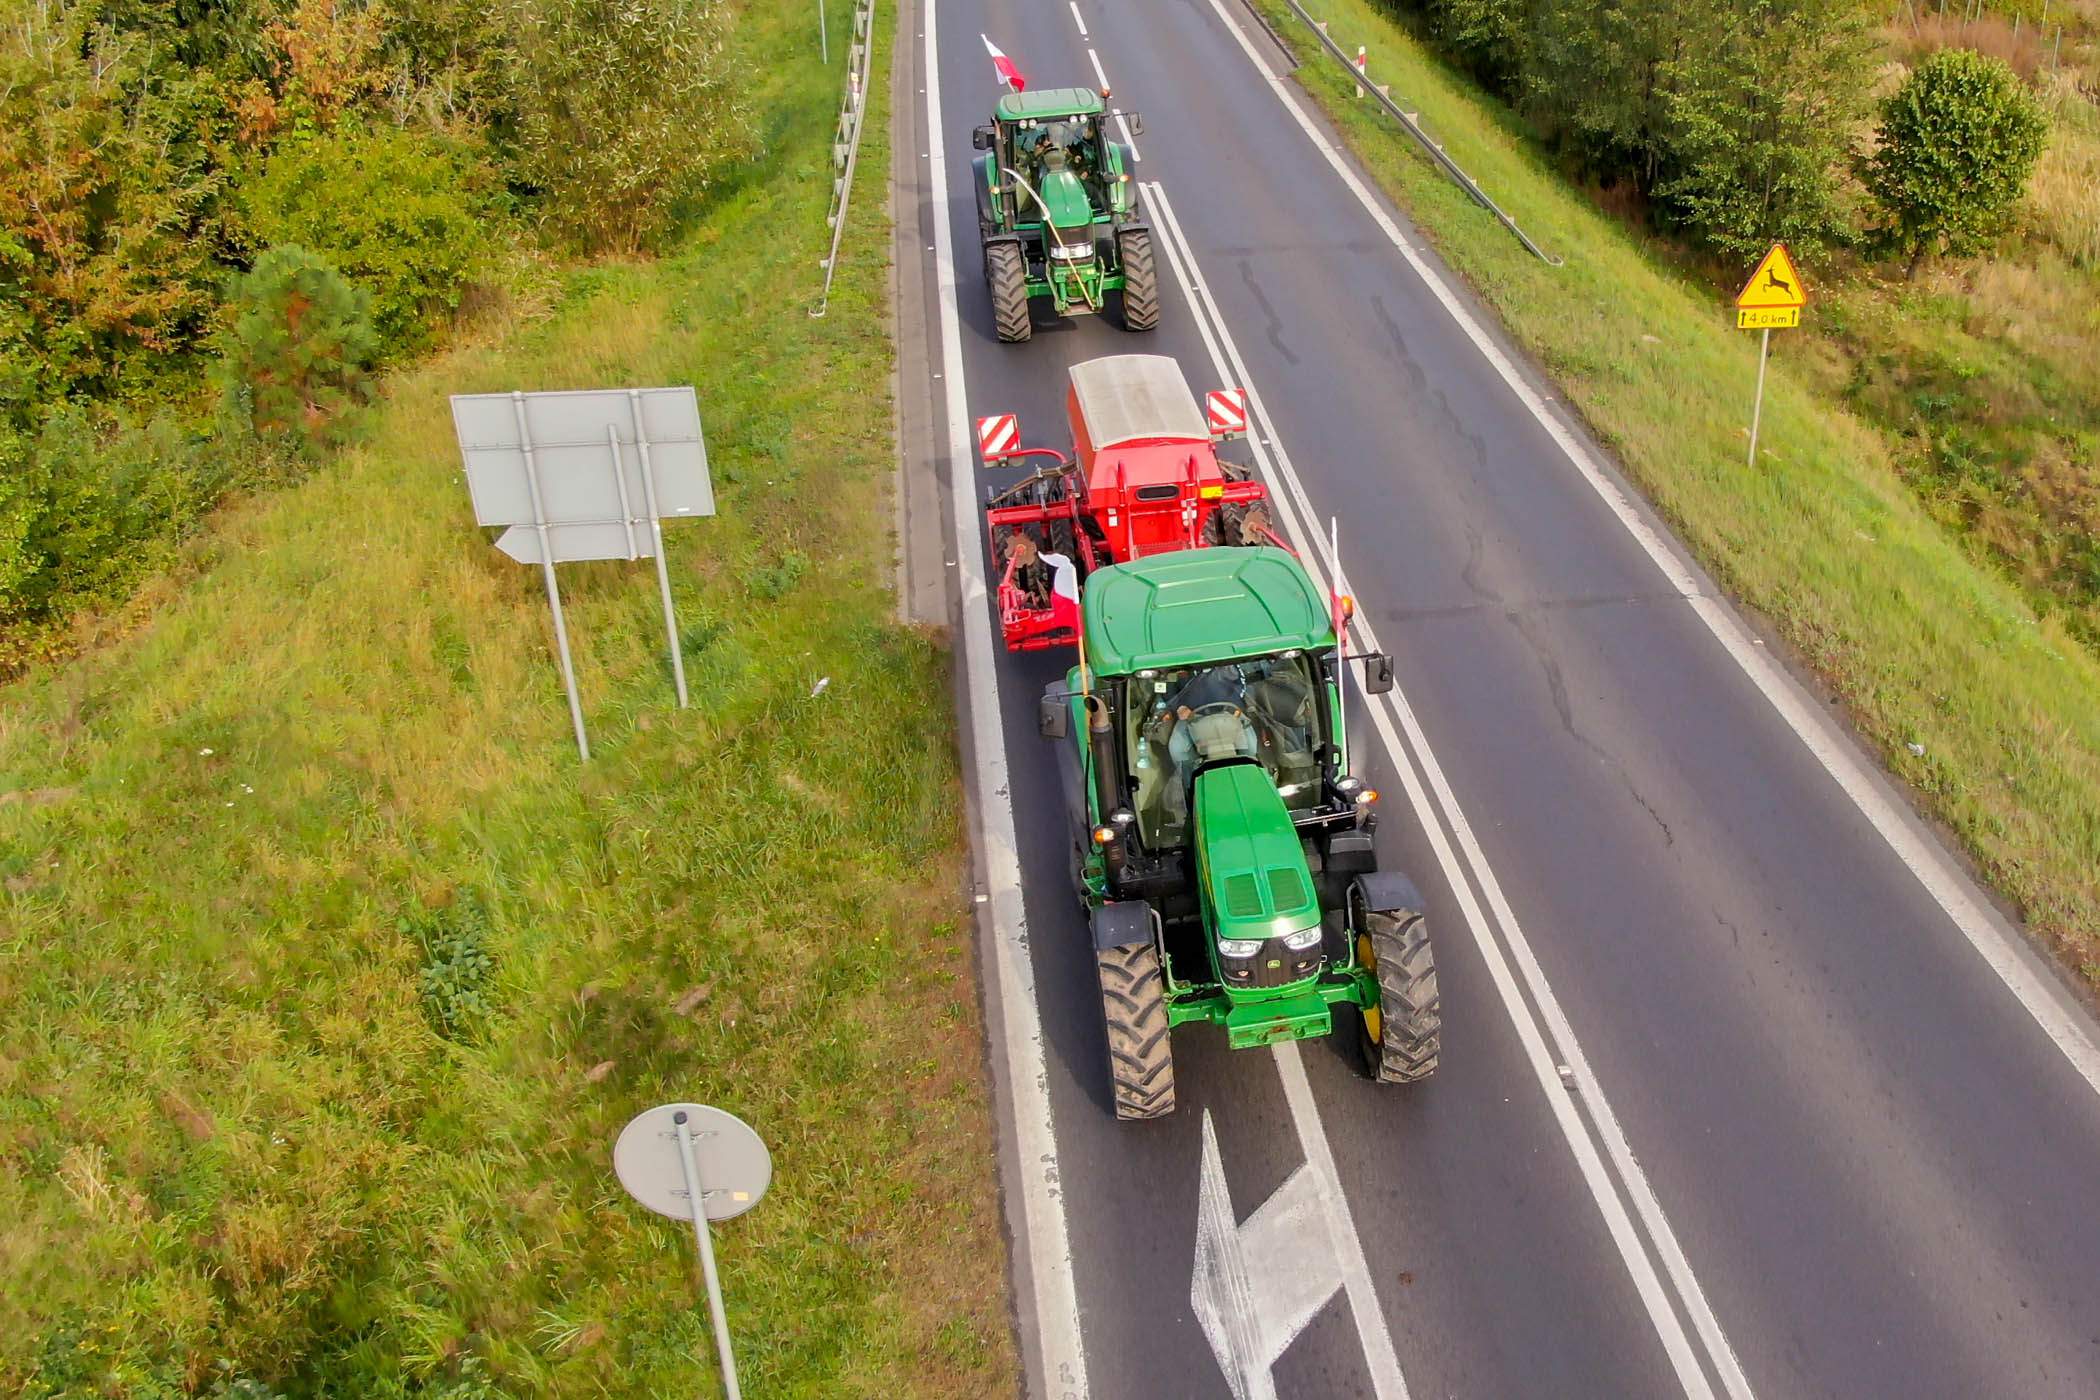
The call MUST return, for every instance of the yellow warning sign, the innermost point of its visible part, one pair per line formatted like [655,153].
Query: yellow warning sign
[1767,318]
[1774,285]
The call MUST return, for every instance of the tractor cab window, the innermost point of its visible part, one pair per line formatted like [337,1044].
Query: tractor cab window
[1266,709]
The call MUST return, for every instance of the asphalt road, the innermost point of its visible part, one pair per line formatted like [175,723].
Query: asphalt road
[1729,1102]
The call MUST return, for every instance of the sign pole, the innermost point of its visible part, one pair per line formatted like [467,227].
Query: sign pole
[656,524]
[1757,407]
[612,441]
[698,1198]
[561,628]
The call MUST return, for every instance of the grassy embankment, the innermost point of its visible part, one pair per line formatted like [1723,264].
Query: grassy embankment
[327,975]
[1926,644]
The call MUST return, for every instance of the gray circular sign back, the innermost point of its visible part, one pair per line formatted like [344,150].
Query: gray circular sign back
[735,1167]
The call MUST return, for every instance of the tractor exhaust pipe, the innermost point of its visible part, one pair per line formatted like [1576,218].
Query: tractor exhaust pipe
[1108,773]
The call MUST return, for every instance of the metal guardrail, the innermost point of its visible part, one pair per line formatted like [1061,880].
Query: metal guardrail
[1413,126]
[845,138]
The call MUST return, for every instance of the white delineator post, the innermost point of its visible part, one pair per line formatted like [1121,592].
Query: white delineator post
[1360,60]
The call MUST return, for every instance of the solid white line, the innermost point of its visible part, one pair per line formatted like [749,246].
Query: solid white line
[1302,523]
[1042,1204]
[1949,888]
[1079,20]
[1095,59]
[1387,1383]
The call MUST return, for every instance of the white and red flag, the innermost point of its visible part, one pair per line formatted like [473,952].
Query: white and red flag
[1008,74]
[1064,591]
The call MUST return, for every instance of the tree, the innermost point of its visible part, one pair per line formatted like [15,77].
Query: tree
[1957,143]
[300,344]
[1758,117]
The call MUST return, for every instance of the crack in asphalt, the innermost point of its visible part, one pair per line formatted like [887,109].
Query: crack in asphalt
[1274,330]
[1557,689]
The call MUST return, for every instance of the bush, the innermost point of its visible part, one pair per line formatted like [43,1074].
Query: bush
[402,214]
[625,109]
[1958,141]
[299,346]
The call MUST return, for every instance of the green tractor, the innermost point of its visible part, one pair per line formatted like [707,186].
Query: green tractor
[1058,212]
[1223,850]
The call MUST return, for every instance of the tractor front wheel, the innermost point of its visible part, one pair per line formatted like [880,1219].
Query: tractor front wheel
[1140,279]
[1134,1004]
[1007,272]
[1402,1035]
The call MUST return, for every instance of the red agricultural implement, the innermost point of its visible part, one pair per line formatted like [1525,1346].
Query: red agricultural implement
[1142,479]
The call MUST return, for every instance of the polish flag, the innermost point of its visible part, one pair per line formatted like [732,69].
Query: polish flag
[1008,74]
[1064,591]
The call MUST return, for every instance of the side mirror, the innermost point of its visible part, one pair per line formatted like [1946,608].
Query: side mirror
[1137,123]
[1053,716]
[1378,673]
[981,138]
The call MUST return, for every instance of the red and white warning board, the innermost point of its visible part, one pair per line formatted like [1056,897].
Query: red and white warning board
[998,435]
[1227,411]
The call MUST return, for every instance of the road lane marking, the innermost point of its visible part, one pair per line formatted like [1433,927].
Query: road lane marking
[1998,946]
[1042,1202]
[1095,59]
[1079,20]
[1419,778]
[1128,140]
[1256,1286]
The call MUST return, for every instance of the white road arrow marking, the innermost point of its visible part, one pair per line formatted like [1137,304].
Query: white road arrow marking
[1257,1285]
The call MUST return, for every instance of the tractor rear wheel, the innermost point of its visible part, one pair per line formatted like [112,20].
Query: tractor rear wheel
[1134,1005]
[1402,1035]
[1007,272]
[1140,279]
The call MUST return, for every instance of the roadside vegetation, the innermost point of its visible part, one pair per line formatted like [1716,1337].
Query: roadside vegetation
[1921,522]
[328,975]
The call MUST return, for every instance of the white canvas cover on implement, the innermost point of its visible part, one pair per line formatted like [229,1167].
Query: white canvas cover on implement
[1132,398]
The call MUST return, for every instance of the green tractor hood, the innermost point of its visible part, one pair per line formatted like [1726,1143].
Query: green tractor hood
[1065,200]
[1248,856]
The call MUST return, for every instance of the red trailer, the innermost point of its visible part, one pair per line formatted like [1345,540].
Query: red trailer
[1142,478]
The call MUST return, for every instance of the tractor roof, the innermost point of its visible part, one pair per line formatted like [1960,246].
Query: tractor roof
[1048,103]
[1196,607]
[1135,398]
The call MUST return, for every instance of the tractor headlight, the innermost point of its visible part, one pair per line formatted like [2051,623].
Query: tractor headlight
[1238,948]
[1071,252]
[1301,940]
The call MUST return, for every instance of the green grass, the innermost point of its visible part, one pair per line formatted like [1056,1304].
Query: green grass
[328,975]
[1823,537]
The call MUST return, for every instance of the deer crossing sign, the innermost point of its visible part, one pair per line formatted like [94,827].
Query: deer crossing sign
[1773,297]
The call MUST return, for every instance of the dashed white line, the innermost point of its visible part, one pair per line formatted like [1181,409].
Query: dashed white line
[1079,20]
[1095,59]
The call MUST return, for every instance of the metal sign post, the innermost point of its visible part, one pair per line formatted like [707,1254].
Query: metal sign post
[721,1169]
[553,467]
[1771,300]
[561,627]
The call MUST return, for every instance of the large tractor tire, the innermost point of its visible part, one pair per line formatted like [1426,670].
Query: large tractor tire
[1140,279]
[1007,272]
[1402,1035]
[1134,1004]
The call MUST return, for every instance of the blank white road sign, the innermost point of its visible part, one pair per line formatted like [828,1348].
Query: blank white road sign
[568,436]
[576,543]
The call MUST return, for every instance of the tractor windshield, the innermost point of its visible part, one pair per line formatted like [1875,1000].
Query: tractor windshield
[1266,709]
